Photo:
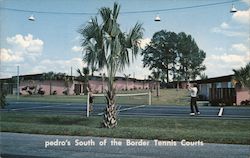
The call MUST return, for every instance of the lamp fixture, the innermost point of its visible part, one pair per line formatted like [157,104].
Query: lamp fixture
[157,18]
[233,9]
[31,18]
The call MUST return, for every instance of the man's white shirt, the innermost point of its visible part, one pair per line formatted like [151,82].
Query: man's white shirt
[193,91]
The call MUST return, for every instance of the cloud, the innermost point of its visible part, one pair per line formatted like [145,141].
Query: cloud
[224,25]
[219,65]
[246,1]
[136,69]
[240,47]
[222,63]
[228,33]
[58,65]
[144,42]
[219,49]
[26,44]
[6,55]
[231,58]
[76,49]
[242,16]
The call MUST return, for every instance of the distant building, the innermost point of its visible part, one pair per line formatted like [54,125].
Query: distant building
[217,90]
[98,84]
[205,85]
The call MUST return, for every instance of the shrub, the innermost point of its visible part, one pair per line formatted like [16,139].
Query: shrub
[2,97]
[40,91]
[3,100]
[30,93]
[245,102]
[65,92]
[54,93]
[25,88]
[32,87]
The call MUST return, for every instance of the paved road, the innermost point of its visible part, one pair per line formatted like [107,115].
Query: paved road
[33,146]
[126,110]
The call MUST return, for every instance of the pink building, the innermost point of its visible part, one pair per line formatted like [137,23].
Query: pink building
[242,95]
[34,84]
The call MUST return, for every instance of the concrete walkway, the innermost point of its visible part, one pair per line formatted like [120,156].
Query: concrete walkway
[44,146]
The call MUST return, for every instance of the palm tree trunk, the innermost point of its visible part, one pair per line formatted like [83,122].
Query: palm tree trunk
[157,89]
[50,87]
[167,75]
[110,112]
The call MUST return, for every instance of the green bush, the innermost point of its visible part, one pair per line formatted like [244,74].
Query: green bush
[2,96]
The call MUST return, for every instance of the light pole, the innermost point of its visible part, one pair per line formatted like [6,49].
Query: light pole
[18,91]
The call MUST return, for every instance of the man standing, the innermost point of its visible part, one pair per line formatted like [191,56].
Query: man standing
[193,103]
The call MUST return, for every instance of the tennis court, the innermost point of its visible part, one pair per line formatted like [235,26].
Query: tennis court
[128,110]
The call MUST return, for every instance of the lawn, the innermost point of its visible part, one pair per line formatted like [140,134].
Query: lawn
[167,97]
[192,129]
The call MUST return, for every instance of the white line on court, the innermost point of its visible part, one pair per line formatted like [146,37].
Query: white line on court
[125,109]
[220,112]
[33,107]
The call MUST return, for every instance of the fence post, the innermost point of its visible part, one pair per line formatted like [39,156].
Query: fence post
[88,105]
[149,98]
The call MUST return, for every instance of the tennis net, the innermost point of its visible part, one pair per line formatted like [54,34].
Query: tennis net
[128,99]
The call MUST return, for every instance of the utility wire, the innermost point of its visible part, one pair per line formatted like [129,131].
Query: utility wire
[128,12]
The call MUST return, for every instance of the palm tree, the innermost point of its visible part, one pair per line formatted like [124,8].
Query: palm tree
[156,76]
[103,75]
[84,76]
[203,76]
[126,78]
[109,48]
[67,80]
[93,69]
[242,76]
[49,76]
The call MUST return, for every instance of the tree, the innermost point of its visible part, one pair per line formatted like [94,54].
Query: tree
[107,47]
[49,76]
[126,78]
[93,69]
[203,76]
[84,76]
[191,57]
[2,95]
[160,53]
[242,76]
[67,81]
[103,75]
[174,54]
[155,77]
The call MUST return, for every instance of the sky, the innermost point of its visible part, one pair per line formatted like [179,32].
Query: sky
[52,43]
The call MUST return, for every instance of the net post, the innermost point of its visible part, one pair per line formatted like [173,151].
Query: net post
[88,105]
[149,98]
[18,86]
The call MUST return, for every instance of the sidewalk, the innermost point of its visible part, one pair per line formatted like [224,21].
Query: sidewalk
[36,146]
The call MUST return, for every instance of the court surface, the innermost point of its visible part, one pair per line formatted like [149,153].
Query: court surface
[130,110]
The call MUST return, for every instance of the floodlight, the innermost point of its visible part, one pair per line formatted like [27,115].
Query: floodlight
[31,18]
[233,9]
[157,18]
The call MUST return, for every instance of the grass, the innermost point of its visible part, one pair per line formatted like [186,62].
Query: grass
[167,97]
[206,130]
[171,97]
